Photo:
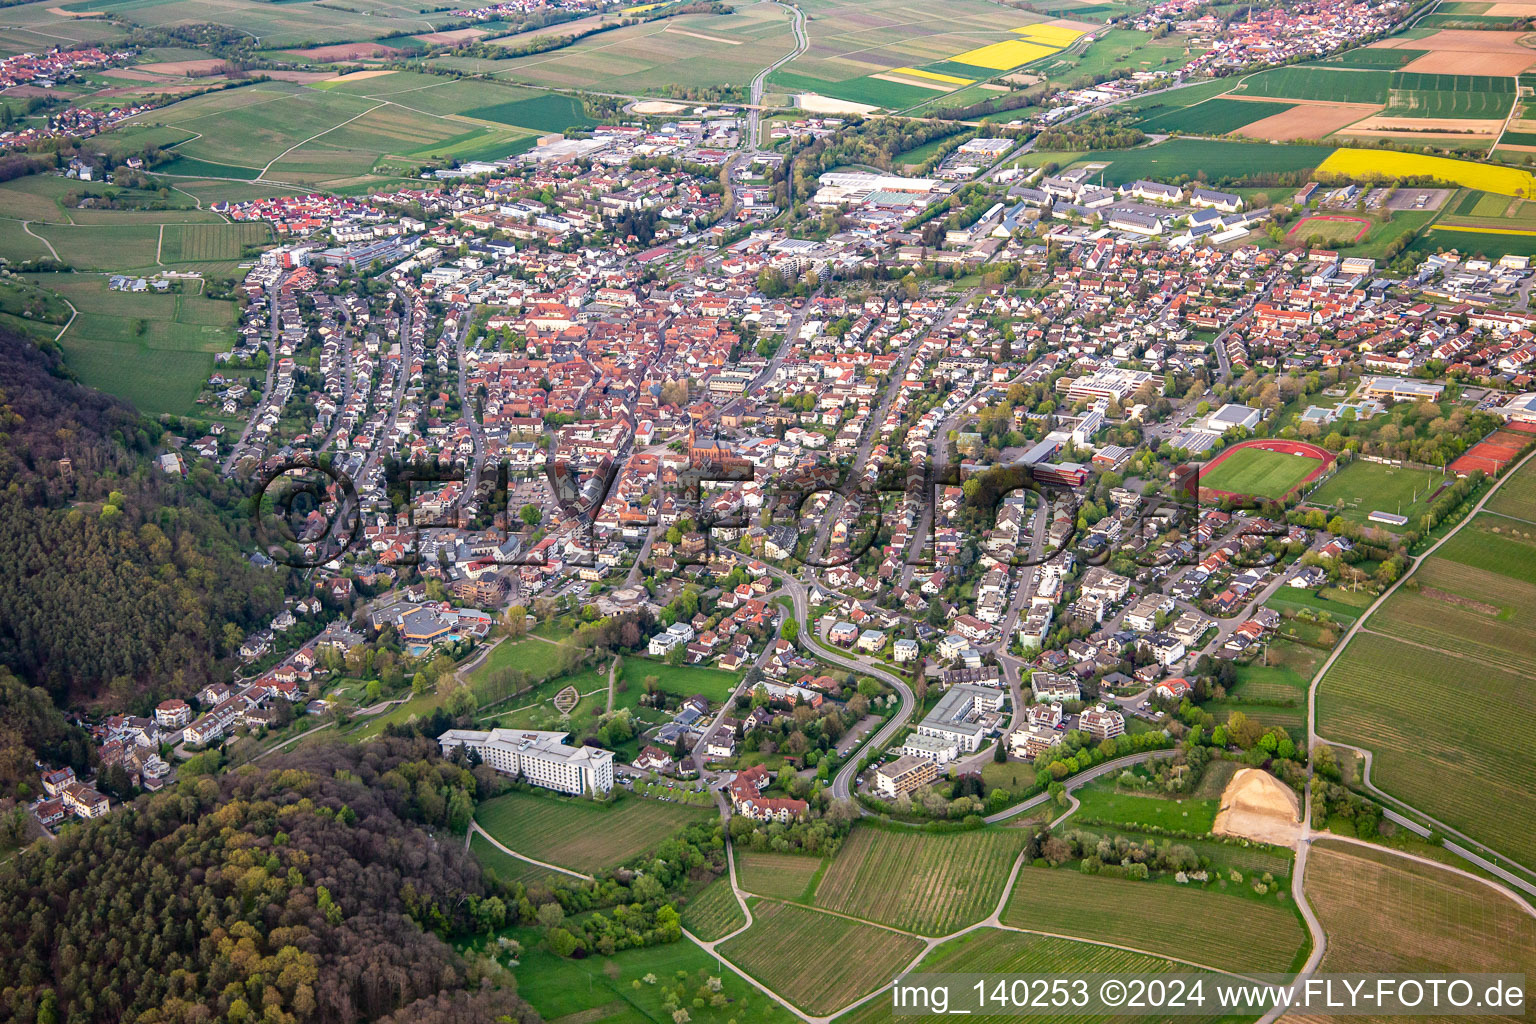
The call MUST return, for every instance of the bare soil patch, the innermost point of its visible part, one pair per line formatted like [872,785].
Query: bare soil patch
[181,67]
[359,76]
[1459,601]
[1464,62]
[658,107]
[1081,26]
[815,104]
[61,12]
[302,77]
[1256,805]
[1308,121]
[903,80]
[994,87]
[674,30]
[458,35]
[347,51]
[1427,125]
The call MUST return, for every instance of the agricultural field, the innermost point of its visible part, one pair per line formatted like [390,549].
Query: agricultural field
[1386,913]
[1213,117]
[1370,58]
[785,876]
[1469,97]
[1220,160]
[153,349]
[1369,165]
[277,25]
[851,959]
[687,50]
[1257,472]
[1362,487]
[1118,49]
[1481,210]
[1404,701]
[713,913]
[921,882]
[995,951]
[1320,84]
[1237,932]
[581,834]
[509,869]
[613,989]
[210,243]
[1104,802]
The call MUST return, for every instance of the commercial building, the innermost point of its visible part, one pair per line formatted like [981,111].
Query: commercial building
[540,758]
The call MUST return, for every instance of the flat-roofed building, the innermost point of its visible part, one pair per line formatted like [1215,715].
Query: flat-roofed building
[542,758]
[906,774]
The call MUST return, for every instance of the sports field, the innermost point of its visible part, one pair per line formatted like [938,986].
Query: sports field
[1397,688]
[819,962]
[1257,472]
[1362,487]
[1235,932]
[1331,229]
[1385,913]
[580,834]
[917,881]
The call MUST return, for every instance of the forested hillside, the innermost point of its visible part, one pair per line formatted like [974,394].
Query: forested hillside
[299,892]
[119,578]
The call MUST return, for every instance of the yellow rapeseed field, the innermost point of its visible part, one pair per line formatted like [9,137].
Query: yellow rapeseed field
[1049,35]
[931,76]
[1368,164]
[1001,56]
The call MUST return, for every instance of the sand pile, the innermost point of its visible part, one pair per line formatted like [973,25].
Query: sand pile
[1256,805]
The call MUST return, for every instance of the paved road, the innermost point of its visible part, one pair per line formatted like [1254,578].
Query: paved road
[1083,778]
[266,393]
[754,113]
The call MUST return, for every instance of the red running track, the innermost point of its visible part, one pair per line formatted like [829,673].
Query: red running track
[1325,459]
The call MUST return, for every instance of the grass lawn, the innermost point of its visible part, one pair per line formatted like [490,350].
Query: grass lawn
[787,876]
[1343,605]
[682,680]
[1256,472]
[1103,801]
[539,659]
[920,881]
[850,959]
[1283,674]
[1235,933]
[602,988]
[713,913]
[581,834]
[1362,487]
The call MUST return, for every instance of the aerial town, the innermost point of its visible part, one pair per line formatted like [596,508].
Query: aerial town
[771,510]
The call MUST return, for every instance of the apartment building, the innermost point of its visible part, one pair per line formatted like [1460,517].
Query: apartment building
[906,774]
[540,758]
[1102,723]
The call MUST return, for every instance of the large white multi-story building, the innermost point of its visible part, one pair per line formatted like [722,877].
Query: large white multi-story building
[541,758]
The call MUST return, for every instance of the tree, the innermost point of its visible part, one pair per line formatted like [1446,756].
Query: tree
[1000,753]
[531,515]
